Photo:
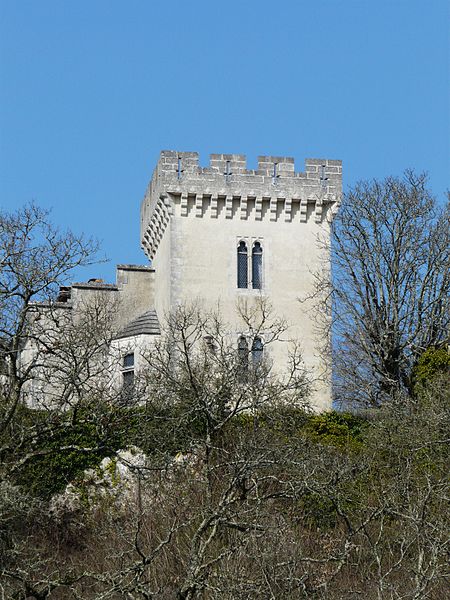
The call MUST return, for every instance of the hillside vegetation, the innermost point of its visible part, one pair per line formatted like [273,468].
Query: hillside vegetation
[211,478]
[280,503]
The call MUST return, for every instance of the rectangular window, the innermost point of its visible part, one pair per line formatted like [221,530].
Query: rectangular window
[128,376]
[257,272]
[257,352]
[128,379]
[242,366]
[128,361]
[128,384]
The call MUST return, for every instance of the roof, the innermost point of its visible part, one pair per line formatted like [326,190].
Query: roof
[146,324]
[39,305]
[135,268]
[96,286]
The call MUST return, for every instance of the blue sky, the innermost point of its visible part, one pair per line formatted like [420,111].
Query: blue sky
[92,90]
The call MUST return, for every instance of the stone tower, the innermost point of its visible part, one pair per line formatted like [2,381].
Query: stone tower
[224,233]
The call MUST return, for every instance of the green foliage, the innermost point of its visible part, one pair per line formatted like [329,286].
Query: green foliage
[283,421]
[162,430]
[111,470]
[432,362]
[62,456]
[318,511]
[60,447]
[343,430]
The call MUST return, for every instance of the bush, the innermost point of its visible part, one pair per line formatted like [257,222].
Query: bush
[343,430]
[433,361]
[62,456]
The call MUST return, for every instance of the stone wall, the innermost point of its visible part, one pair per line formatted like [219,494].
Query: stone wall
[131,295]
[111,308]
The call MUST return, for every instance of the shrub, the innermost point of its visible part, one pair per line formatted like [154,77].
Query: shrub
[62,456]
[432,362]
[343,430]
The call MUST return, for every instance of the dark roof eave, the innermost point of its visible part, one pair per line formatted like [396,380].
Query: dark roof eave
[135,268]
[109,287]
[122,336]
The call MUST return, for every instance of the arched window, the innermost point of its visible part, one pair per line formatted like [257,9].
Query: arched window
[257,275]
[257,351]
[242,358]
[242,265]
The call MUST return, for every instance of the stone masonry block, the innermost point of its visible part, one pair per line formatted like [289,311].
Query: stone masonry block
[228,163]
[315,161]
[235,157]
[169,154]
[276,159]
[280,164]
[189,161]
[252,179]
[188,155]
[286,168]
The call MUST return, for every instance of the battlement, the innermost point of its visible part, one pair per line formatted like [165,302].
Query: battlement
[231,166]
[226,187]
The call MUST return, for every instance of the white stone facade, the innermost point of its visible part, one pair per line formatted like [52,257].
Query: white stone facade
[193,219]
[87,319]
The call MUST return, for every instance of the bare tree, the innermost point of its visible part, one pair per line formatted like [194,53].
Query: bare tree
[58,400]
[406,546]
[199,368]
[35,259]
[54,359]
[197,385]
[390,285]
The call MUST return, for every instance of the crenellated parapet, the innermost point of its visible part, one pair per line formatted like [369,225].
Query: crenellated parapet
[226,188]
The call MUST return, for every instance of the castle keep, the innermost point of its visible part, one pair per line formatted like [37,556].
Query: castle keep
[223,234]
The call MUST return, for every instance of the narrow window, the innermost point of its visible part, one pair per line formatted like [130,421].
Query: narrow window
[228,170]
[128,383]
[275,172]
[242,359]
[242,266]
[257,266]
[323,179]
[128,375]
[257,352]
